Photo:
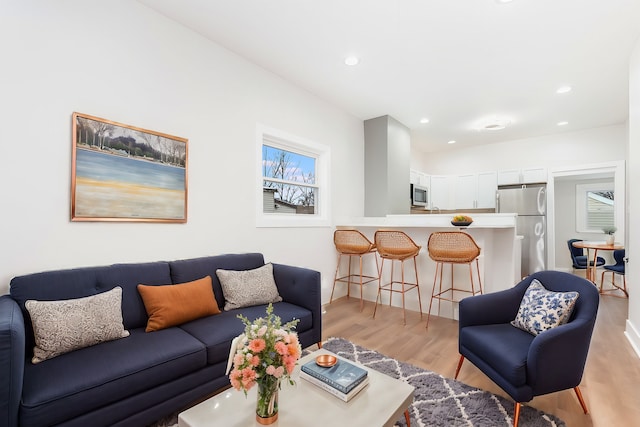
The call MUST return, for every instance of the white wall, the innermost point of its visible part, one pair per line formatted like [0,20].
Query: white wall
[559,150]
[633,242]
[121,61]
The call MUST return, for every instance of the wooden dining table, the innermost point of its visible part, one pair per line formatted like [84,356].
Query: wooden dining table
[595,246]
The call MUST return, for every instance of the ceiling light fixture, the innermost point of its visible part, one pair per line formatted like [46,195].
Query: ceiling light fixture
[424,120]
[563,89]
[493,123]
[351,60]
[451,142]
[503,1]
[563,123]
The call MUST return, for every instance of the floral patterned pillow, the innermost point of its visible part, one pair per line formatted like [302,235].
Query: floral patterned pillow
[542,309]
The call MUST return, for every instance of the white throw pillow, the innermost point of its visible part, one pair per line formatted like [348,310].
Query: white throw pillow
[248,287]
[65,325]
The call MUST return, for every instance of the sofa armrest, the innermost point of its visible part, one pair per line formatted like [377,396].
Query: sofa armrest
[12,359]
[301,286]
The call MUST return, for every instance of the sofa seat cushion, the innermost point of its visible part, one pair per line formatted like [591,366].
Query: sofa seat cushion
[503,346]
[84,380]
[217,332]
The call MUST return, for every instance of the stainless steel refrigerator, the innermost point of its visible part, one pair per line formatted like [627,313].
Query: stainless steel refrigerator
[529,201]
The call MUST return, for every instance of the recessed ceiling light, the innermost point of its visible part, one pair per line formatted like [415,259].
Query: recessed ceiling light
[351,60]
[563,123]
[424,120]
[563,89]
[451,142]
[503,1]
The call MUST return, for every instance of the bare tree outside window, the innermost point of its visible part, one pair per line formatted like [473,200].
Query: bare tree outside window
[289,181]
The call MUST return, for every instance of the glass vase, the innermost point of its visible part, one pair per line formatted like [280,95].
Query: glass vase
[267,404]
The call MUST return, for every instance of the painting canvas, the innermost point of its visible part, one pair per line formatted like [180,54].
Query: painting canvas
[125,173]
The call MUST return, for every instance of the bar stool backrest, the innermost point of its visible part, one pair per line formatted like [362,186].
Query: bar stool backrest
[352,242]
[452,246]
[395,244]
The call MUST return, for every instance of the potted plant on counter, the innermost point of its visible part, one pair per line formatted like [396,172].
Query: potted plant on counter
[610,230]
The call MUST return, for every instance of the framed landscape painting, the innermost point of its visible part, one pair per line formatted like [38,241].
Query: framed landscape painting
[125,173]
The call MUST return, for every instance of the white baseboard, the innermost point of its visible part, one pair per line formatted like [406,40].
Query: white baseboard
[633,336]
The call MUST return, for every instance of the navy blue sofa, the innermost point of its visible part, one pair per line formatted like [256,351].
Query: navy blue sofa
[136,380]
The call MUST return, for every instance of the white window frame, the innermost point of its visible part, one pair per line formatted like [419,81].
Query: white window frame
[581,204]
[279,139]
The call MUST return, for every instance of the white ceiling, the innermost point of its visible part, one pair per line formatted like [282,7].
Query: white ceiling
[455,62]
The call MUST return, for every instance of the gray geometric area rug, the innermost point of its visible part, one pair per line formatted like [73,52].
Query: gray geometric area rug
[440,401]
[437,401]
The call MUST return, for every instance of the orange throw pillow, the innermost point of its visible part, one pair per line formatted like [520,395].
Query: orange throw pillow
[171,305]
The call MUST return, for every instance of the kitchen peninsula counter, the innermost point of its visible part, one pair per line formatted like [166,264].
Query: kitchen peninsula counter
[494,233]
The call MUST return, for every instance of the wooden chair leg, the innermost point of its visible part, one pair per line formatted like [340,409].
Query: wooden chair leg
[406,418]
[516,414]
[459,366]
[579,394]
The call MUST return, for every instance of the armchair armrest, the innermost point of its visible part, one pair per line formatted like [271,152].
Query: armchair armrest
[488,309]
[557,357]
[301,286]
[12,358]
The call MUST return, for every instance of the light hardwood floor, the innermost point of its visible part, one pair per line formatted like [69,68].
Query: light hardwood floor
[610,384]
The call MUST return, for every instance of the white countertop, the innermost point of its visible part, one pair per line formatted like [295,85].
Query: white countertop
[488,220]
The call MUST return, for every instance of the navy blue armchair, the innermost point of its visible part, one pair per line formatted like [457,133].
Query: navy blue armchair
[522,364]
[578,257]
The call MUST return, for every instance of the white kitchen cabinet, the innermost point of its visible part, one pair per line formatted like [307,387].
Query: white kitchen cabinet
[522,176]
[419,178]
[442,192]
[509,177]
[476,191]
[487,187]
[534,175]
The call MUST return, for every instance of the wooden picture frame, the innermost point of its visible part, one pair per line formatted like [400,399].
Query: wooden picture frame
[125,173]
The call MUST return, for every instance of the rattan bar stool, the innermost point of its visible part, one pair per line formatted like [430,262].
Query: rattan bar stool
[352,243]
[396,246]
[452,247]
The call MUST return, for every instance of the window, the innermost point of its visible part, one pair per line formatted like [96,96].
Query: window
[293,181]
[594,207]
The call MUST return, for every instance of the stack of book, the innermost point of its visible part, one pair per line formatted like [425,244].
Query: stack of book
[343,380]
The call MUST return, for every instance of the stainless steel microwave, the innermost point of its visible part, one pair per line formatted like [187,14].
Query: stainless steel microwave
[419,195]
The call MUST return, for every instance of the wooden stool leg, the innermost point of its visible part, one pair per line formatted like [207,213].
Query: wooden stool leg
[459,366]
[406,418]
[579,394]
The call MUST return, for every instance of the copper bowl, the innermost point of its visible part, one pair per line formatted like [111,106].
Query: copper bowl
[326,360]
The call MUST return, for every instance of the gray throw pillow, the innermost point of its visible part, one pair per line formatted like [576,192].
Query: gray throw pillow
[248,287]
[65,325]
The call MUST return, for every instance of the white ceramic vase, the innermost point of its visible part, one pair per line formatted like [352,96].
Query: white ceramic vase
[610,239]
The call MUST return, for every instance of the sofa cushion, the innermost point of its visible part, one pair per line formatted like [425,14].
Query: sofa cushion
[186,270]
[248,287]
[66,325]
[542,309]
[171,305]
[502,346]
[217,332]
[81,381]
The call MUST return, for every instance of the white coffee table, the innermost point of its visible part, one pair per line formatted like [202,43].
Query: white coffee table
[381,403]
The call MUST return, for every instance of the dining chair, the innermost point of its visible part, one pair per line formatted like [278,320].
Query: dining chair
[579,259]
[615,269]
